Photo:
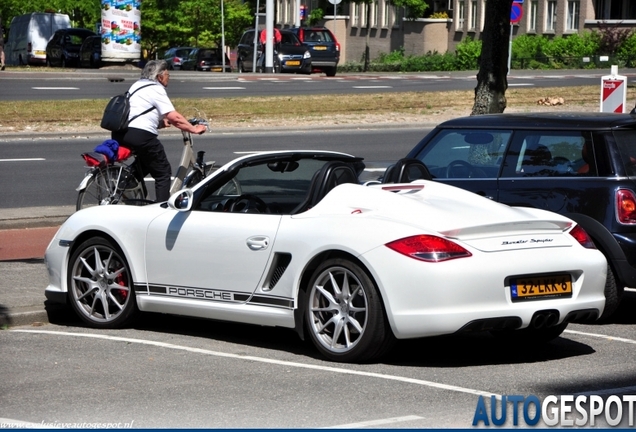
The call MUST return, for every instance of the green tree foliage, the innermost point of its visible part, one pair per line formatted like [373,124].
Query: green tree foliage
[626,52]
[164,23]
[83,13]
[414,8]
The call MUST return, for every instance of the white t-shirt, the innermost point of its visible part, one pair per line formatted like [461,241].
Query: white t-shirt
[152,96]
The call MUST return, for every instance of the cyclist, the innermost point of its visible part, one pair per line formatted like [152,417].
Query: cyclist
[157,112]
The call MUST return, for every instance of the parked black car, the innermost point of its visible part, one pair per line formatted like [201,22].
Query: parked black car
[63,48]
[323,46]
[581,165]
[290,54]
[206,59]
[176,55]
[90,53]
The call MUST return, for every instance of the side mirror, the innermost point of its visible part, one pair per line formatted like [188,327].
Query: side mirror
[181,201]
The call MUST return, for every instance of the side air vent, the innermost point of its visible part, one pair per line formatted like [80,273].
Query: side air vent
[279,265]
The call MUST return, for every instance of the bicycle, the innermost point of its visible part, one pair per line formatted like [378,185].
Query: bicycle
[117,182]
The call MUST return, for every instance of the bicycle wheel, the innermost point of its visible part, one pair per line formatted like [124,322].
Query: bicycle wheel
[111,185]
[194,176]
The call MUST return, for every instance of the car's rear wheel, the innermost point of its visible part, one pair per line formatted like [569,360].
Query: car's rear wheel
[344,315]
[100,284]
[331,71]
[613,294]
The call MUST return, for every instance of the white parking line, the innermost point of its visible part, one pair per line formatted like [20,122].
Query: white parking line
[371,87]
[520,84]
[22,160]
[19,424]
[55,88]
[223,88]
[271,361]
[377,422]
[610,338]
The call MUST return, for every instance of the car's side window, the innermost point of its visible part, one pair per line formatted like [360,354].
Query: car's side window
[550,154]
[460,153]
[272,188]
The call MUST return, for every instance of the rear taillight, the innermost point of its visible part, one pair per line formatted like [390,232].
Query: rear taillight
[301,35]
[337,47]
[581,236]
[626,206]
[176,60]
[428,248]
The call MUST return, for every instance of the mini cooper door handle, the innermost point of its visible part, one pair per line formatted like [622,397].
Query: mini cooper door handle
[258,243]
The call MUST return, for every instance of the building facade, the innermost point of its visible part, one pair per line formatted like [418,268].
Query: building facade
[456,20]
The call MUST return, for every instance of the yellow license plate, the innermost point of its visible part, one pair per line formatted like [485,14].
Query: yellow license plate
[541,287]
[40,53]
[320,48]
[293,63]
[216,69]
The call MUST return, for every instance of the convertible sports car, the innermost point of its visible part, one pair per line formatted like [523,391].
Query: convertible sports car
[292,239]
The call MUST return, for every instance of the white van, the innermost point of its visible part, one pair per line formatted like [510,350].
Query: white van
[29,34]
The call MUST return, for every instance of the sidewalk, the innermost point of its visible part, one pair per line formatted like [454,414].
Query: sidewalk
[24,235]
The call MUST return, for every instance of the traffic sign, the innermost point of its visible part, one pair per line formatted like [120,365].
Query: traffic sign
[516,12]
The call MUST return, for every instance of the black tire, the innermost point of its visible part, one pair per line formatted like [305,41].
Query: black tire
[331,71]
[100,285]
[613,295]
[345,316]
[101,189]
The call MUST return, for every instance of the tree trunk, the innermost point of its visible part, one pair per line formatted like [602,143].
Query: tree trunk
[365,68]
[490,93]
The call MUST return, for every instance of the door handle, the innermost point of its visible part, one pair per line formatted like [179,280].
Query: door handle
[258,243]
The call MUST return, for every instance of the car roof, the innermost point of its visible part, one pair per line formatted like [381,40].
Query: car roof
[544,120]
[76,31]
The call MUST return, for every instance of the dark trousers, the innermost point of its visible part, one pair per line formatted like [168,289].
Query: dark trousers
[150,158]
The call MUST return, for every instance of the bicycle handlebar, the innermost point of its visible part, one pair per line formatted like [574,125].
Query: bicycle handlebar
[199,121]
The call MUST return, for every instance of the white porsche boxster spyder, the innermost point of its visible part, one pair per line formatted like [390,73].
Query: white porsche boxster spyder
[292,239]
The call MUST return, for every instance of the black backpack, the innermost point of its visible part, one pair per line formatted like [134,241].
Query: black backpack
[116,113]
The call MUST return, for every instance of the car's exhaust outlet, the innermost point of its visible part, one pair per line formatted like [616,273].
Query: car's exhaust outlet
[544,319]
[538,321]
[551,320]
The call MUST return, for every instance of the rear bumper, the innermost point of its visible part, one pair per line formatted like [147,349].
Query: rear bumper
[323,63]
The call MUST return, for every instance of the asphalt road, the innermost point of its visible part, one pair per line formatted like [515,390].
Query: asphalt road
[171,371]
[45,171]
[104,83]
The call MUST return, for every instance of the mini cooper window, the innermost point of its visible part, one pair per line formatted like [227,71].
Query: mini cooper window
[455,153]
[626,140]
[550,154]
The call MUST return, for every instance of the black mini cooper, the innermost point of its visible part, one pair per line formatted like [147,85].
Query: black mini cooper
[581,165]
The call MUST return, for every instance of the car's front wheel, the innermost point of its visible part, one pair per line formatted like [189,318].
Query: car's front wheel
[344,313]
[100,284]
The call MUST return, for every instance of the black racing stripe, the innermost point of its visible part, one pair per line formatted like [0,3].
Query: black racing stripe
[274,301]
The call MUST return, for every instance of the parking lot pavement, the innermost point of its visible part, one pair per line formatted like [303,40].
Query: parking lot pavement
[24,235]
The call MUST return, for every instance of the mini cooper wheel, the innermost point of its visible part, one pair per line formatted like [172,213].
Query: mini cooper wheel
[344,313]
[100,284]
